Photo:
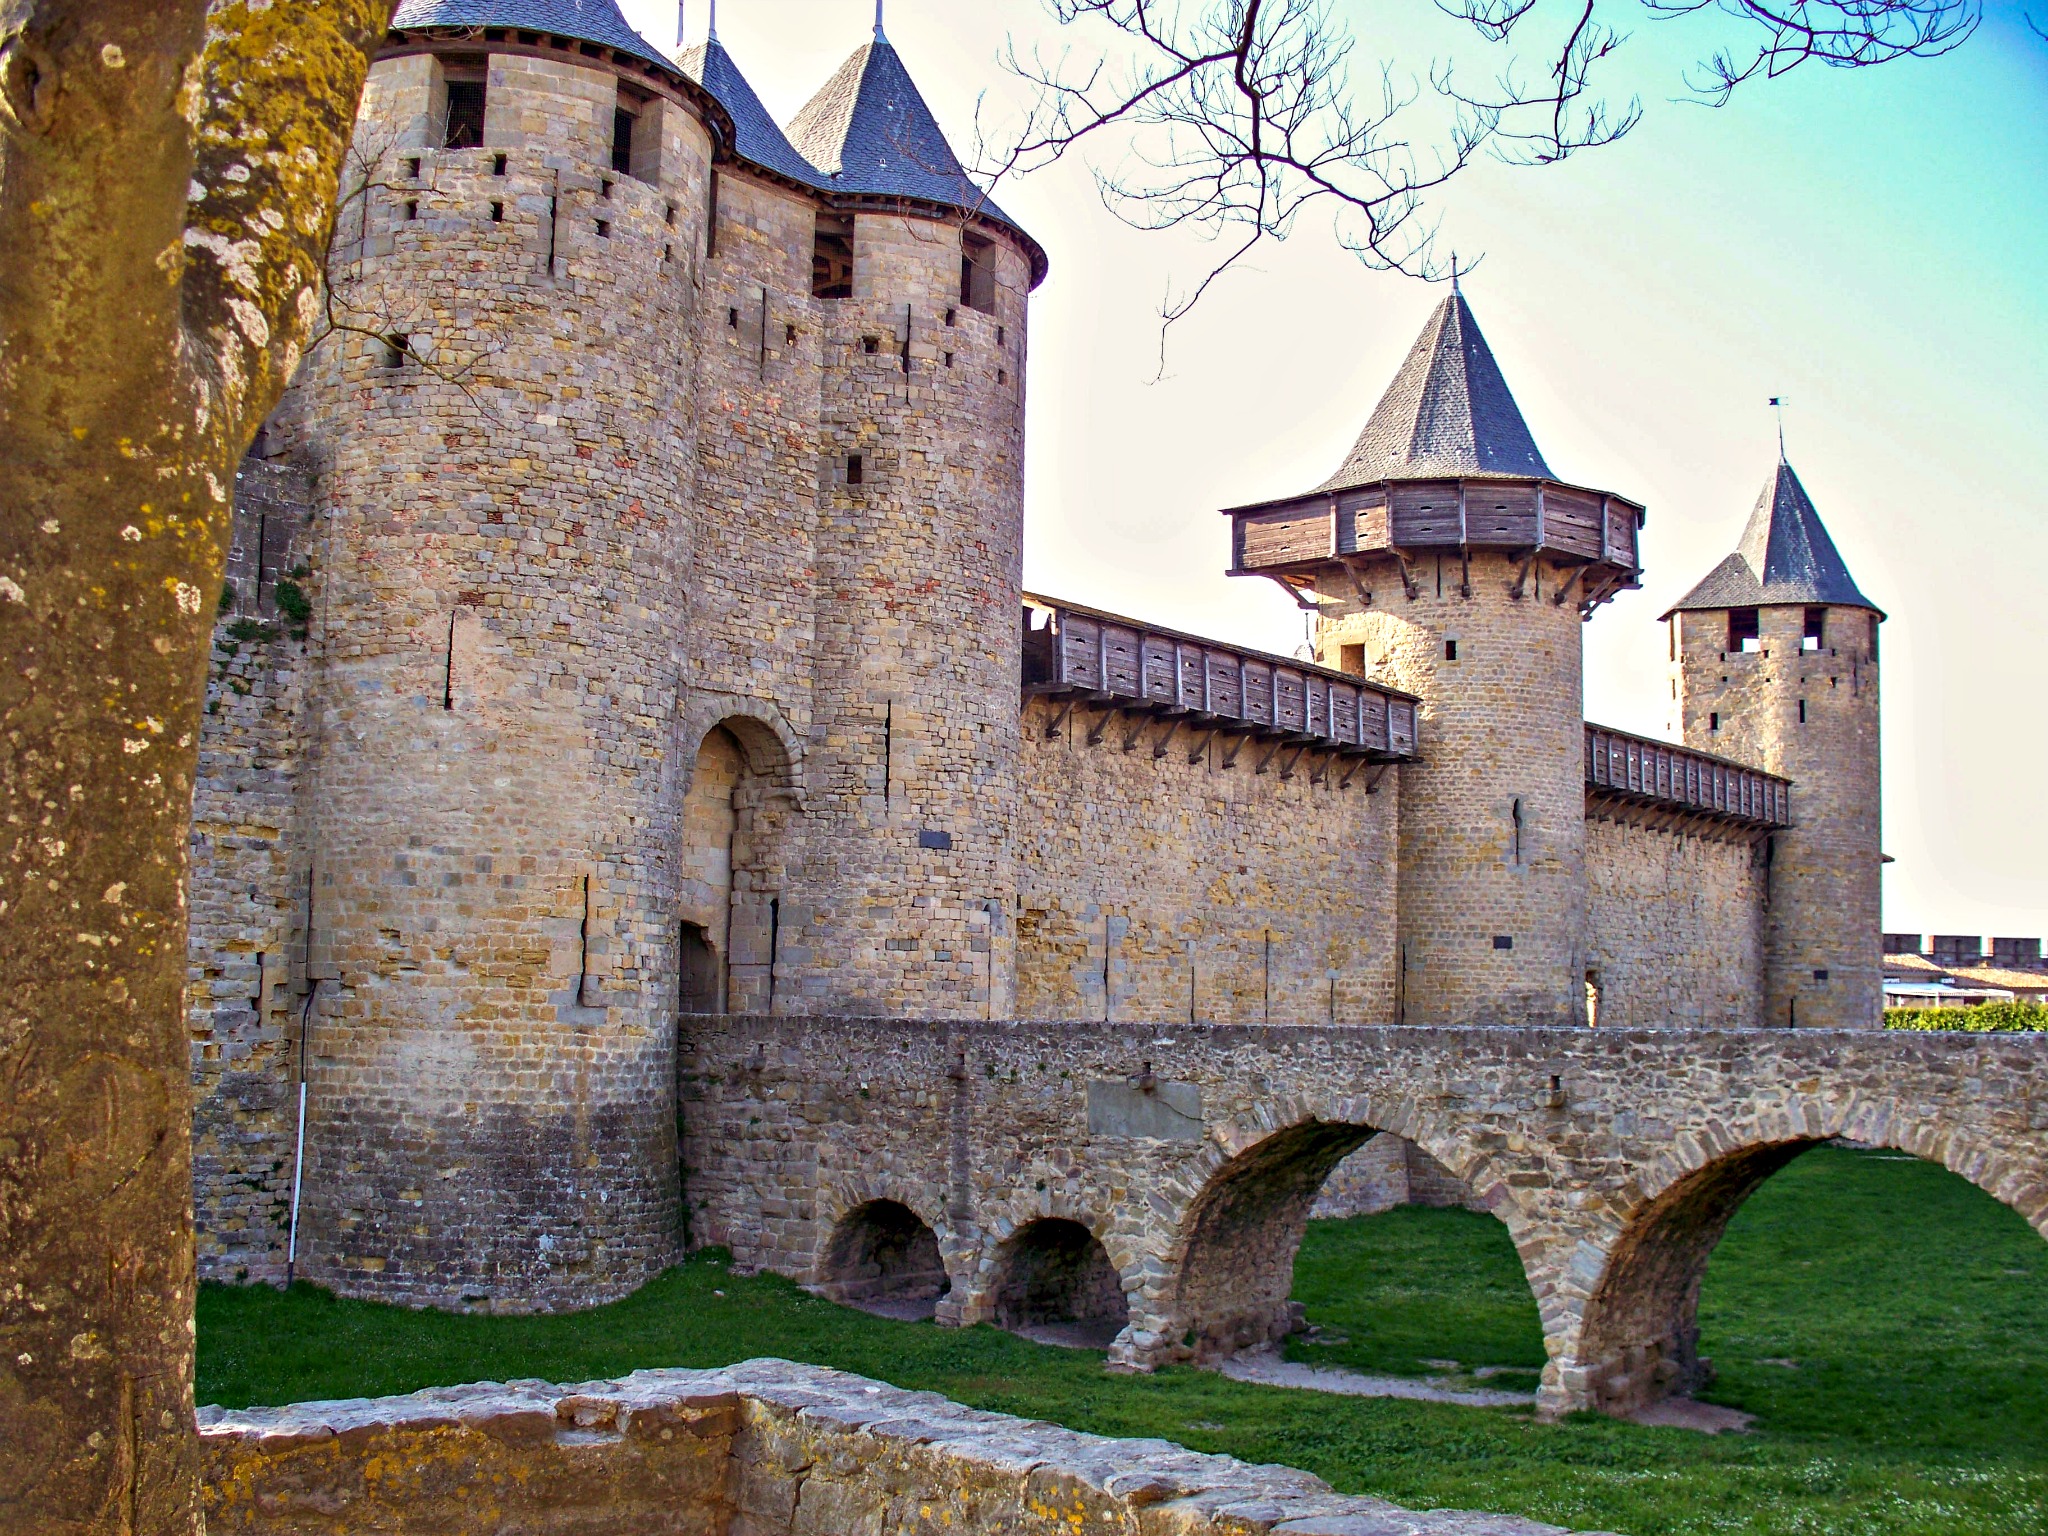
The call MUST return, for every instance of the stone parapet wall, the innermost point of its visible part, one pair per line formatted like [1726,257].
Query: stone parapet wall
[1204,889]
[1674,927]
[765,1448]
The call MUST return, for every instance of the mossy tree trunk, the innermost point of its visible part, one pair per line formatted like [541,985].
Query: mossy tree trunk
[167,174]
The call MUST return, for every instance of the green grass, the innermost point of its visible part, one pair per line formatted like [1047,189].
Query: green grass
[1914,1306]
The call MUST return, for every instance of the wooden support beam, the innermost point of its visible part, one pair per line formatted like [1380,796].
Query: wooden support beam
[1260,765]
[1293,591]
[1372,786]
[1201,748]
[1521,581]
[1357,585]
[1172,729]
[1563,594]
[1131,736]
[1101,724]
[1236,746]
[1408,583]
[1287,769]
[1059,721]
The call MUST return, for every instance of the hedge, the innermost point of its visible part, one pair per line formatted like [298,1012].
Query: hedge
[1985,1018]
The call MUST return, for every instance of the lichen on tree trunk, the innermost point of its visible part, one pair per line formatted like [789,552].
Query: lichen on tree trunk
[167,173]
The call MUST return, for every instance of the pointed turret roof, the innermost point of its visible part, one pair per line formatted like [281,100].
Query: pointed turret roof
[588,21]
[869,131]
[1447,413]
[757,138]
[1785,556]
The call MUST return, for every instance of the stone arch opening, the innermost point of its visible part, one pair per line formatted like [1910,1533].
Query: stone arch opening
[1055,1283]
[1240,1238]
[1639,1340]
[734,816]
[883,1257]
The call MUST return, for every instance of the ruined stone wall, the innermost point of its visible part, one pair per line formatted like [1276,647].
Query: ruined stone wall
[906,884]
[1204,889]
[490,819]
[1389,1171]
[765,1448]
[1674,926]
[1813,717]
[1493,827]
[248,882]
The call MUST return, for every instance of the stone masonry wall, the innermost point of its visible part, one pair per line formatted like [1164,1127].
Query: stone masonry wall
[1812,716]
[1213,892]
[248,884]
[765,1448]
[490,816]
[1493,830]
[1674,927]
[1194,1153]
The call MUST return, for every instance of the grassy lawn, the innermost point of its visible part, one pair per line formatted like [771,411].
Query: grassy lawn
[1886,1322]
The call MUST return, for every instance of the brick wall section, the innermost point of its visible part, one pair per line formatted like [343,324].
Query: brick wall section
[1499,728]
[1179,865]
[248,887]
[1614,1156]
[765,1448]
[1674,927]
[1823,960]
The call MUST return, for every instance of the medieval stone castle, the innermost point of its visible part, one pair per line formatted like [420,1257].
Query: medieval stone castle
[626,624]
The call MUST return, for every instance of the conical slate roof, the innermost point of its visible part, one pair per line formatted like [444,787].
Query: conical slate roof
[1447,413]
[869,131]
[588,21]
[757,137]
[1785,557]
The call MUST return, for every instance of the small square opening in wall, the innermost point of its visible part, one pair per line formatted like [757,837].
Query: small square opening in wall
[1814,633]
[949,359]
[732,319]
[463,127]
[1503,941]
[604,229]
[871,345]
[1351,658]
[1451,650]
[412,208]
[392,350]
[930,838]
[1001,335]
[789,335]
[1820,975]
[497,213]
[856,470]
[952,317]
[668,215]
[412,169]
[1002,375]
[497,165]
[1745,636]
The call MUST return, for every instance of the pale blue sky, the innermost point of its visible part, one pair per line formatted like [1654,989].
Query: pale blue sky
[1870,245]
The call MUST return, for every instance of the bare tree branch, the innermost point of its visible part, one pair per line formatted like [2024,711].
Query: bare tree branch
[1232,118]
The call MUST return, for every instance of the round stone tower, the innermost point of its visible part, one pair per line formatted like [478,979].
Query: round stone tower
[1776,658]
[906,880]
[1445,559]
[502,431]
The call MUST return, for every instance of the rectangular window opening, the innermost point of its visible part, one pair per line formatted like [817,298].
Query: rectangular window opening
[393,350]
[668,253]
[732,319]
[1713,722]
[832,257]
[856,471]
[668,215]
[623,119]
[1002,375]
[1815,634]
[464,128]
[497,165]
[497,213]
[1351,658]
[789,335]
[604,229]
[412,208]
[1802,711]
[412,169]
[952,316]
[1450,650]
[1000,335]
[711,214]
[949,359]
[977,272]
[604,190]
[1503,941]
[871,345]
[1745,635]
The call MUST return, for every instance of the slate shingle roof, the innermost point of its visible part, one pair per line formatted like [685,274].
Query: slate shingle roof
[588,21]
[1785,557]
[868,130]
[1448,412]
[758,138]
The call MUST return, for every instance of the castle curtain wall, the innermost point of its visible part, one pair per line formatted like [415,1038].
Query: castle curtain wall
[1674,928]
[1195,887]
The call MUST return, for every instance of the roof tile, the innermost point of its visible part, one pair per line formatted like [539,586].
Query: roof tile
[588,21]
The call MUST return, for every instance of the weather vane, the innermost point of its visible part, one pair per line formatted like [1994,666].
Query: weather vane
[1778,405]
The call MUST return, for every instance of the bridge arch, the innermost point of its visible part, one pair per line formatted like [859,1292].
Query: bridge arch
[1635,1336]
[883,1256]
[1227,1262]
[1054,1272]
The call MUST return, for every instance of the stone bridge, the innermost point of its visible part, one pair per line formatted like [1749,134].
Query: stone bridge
[1155,1182]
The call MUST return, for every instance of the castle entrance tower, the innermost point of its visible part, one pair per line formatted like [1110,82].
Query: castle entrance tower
[502,437]
[1776,659]
[1444,558]
[906,891]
